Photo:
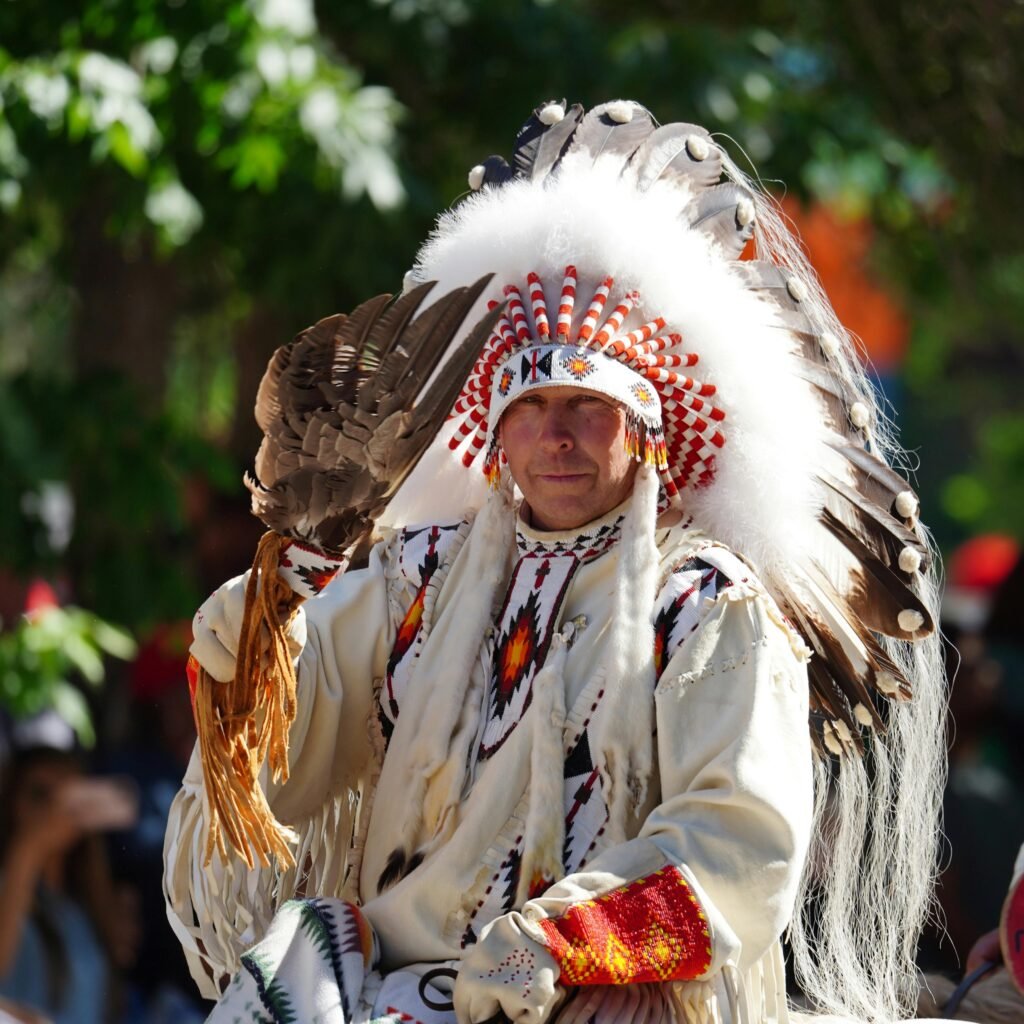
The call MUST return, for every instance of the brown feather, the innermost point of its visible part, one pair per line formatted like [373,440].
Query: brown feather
[885,535]
[389,332]
[876,595]
[842,655]
[874,479]
[424,346]
[336,405]
[268,408]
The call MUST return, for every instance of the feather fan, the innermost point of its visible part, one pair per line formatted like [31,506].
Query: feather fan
[345,415]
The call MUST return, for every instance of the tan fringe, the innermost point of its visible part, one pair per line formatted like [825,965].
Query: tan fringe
[244,722]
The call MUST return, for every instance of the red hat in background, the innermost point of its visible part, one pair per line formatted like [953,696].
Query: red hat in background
[975,571]
[160,664]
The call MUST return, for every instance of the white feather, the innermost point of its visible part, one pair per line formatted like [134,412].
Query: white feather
[763,496]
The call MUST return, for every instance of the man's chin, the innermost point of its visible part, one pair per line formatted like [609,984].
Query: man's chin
[565,513]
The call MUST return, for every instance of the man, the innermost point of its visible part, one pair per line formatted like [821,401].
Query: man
[556,748]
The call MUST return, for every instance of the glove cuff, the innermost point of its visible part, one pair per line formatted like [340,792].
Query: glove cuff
[308,569]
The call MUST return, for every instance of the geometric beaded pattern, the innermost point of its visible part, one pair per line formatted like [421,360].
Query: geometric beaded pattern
[681,604]
[649,930]
[528,619]
[422,551]
[686,594]
[586,814]
[306,569]
[526,625]
[670,424]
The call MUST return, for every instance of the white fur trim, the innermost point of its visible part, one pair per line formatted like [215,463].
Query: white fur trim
[906,504]
[551,114]
[620,111]
[622,734]
[545,819]
[446,660]
[910,560]
[863,715]
[910,620]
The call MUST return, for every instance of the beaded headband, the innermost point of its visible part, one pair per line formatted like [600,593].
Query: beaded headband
[669,424]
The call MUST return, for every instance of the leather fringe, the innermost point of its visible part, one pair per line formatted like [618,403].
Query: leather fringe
[245,723]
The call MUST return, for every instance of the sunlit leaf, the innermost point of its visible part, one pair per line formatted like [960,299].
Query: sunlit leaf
[69,703]
[118,643]
[124,150]
[260,158]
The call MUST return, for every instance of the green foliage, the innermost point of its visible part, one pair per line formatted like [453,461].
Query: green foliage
[185,185]
[45,653]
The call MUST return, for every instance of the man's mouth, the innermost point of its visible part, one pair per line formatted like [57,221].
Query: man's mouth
[560,477]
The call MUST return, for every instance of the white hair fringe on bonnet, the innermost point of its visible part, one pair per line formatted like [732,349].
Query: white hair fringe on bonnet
[803,487]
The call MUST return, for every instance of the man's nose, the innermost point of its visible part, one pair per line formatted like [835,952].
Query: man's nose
[556,430]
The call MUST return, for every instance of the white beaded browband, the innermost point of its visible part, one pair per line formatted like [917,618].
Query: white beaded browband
[669,423]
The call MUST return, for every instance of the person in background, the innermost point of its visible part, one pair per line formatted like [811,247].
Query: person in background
[153,748]
[60,936]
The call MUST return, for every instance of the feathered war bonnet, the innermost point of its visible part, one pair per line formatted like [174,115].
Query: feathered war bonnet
[615,246]
[627,254]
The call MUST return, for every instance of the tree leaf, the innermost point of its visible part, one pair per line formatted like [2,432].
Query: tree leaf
[71,705]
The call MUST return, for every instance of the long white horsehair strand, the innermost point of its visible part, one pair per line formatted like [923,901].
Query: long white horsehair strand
[867,887]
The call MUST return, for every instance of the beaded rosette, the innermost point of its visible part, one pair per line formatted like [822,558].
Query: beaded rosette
[670,424]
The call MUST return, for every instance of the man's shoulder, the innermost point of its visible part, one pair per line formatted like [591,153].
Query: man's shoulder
[698,572]
[688,553]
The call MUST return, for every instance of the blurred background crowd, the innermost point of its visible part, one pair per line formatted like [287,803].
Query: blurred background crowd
[185,184]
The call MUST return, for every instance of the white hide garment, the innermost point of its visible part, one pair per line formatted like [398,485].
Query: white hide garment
[727,809]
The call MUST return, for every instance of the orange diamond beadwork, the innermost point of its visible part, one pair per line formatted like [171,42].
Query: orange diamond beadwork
[617,961]
[650,930]
[410,624]
[579,965]
[665,951]
[578,365]
[643,394]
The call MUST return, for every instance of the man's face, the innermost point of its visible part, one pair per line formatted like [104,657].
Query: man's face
[566,450]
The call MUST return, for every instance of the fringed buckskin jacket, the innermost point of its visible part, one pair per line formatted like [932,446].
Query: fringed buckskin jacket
[464,751]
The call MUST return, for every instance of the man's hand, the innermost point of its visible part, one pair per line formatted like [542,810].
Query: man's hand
[218,624]
[986,948]
[507,971]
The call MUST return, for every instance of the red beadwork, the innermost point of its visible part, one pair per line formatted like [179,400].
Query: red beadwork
[651,930]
